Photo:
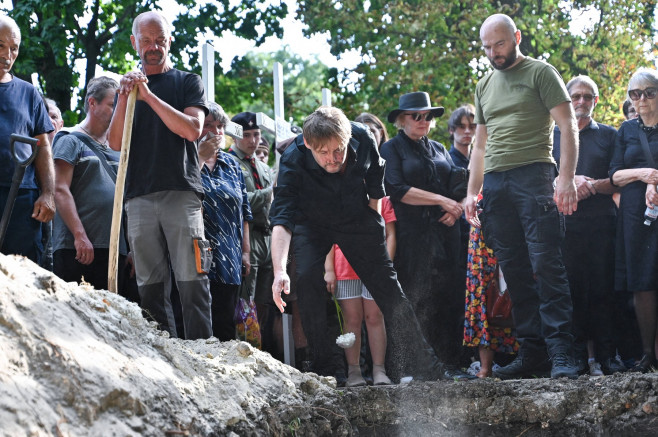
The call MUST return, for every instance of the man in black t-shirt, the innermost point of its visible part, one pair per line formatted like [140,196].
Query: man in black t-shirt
[163,182]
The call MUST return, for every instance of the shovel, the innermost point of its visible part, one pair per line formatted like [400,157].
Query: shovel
[19,172]
[113,264]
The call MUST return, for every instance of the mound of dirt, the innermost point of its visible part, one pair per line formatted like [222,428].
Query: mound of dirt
[77,361]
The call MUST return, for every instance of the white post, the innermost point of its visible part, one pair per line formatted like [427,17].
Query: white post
[233,130]
[208,77]
[326,97]
[208,71]
[278,93]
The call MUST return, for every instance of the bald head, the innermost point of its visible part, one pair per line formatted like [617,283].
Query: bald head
[9,25]
[10,41]
[151,17]
[500,41]
[500,22]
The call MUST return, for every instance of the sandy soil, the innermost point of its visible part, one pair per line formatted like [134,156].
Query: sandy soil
[77,361]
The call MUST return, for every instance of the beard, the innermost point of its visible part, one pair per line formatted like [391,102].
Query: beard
[507,61]
[153,58]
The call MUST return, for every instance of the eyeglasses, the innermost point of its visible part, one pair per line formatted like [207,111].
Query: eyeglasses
[649,93]
[471,126]
[585,97]
[417,116]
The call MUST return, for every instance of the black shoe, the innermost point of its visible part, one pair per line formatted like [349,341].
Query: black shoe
[455,374]
[611,365]
[525,366]
[646,364]
[562,365]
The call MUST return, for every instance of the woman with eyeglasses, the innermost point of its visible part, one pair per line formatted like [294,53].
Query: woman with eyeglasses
[427,259]
[633,168]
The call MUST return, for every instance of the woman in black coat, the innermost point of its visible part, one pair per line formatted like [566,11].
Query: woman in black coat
[637,248]
[427,259]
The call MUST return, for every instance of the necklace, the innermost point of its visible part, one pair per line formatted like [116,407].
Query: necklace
[102,143]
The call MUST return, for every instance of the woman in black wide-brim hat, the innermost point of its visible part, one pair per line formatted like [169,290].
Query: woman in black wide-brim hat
[427,256]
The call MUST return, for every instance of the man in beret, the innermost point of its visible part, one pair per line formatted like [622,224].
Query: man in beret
[259,181]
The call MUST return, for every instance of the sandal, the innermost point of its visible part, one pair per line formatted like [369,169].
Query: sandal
[483,373]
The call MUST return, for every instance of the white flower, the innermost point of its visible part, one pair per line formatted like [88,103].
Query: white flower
[346,341]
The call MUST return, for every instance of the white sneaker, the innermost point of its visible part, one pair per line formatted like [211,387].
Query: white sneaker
[595,369]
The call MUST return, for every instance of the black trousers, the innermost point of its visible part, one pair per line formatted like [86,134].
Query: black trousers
[363,243]
[66,267]
[428,265]
[522,225]
[589,256]
[222,307]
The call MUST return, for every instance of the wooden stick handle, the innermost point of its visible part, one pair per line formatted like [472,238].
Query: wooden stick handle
[117,211]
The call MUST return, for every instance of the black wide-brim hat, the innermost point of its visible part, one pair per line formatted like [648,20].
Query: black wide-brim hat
[418,101]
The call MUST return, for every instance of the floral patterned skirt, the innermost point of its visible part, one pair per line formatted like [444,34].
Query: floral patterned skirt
[481,270]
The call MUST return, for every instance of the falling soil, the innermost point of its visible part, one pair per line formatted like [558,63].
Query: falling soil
[82,362]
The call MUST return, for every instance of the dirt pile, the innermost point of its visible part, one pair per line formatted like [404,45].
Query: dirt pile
[77,361]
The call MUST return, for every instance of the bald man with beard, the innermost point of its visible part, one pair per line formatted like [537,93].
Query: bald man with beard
[23,112]
[163,182]
[516,107]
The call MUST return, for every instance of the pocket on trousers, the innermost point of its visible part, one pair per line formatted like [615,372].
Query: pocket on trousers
[550,222]
[202,255]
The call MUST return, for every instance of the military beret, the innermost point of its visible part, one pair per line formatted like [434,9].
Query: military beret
[246,119]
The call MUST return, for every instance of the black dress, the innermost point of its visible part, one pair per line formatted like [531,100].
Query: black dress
[427,256]
[637,244]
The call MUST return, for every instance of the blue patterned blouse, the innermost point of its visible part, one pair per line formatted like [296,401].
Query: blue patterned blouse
[225,207]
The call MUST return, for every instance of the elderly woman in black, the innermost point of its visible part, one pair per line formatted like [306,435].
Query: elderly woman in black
[633,168]
[417,173]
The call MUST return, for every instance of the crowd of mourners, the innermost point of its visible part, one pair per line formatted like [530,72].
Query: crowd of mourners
[540,260]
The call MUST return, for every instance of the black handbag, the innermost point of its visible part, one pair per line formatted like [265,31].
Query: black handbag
[458,183]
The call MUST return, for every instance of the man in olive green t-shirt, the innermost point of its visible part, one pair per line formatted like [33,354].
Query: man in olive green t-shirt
[522,218]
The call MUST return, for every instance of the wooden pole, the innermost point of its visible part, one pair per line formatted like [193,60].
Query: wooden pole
[117,211]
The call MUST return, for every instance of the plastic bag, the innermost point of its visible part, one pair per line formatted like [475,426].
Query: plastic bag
[246,322]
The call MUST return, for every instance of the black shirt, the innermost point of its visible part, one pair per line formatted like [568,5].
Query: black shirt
[161,160]
[597,144]
[423,164]
[458,158]
[306,194]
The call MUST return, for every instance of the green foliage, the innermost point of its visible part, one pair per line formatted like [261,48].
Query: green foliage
[248,86]
[435,47]
[56,33]
[294,426]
